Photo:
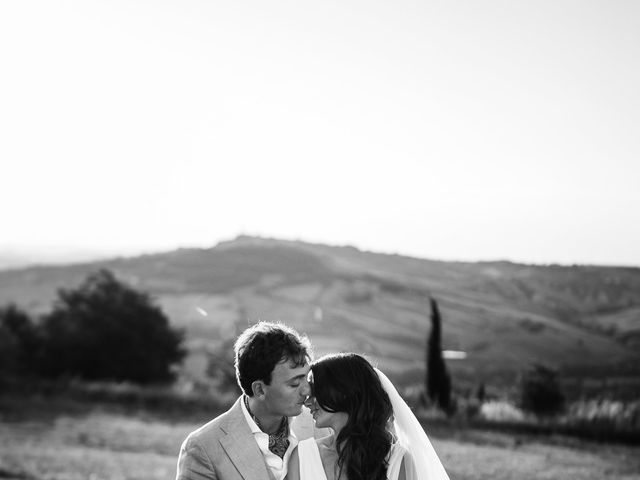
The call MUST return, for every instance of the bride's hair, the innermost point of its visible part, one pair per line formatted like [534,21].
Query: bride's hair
[346,382]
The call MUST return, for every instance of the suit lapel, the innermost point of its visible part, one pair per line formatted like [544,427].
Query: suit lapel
[242,448]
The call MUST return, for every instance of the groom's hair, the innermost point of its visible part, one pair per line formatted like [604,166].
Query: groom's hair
[262,346]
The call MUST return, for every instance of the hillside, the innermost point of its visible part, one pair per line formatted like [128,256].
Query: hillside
[583,320]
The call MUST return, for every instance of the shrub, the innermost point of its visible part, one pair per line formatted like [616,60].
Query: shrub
[605,412]
[501,411]
[105,330]
[9,351]
[221,366]
[540,391]
[19,341]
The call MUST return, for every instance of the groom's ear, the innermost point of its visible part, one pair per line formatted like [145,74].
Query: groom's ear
[257,388]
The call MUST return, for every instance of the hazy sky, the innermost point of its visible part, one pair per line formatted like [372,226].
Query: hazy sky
[452,130]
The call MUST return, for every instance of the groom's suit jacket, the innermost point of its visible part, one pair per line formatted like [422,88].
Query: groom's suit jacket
[225,449]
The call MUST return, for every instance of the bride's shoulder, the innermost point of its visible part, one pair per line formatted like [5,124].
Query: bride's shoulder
[398,446]
[398,460]
[326,442]
[397,452]
[312,444]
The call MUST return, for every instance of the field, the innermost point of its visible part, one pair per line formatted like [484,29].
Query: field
[103,442]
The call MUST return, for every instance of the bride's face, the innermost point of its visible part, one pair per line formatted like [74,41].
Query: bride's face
[324,419]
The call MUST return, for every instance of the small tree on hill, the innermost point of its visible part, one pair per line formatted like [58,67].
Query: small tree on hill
[221,365]
[106,330]
[438,379]
[19,342]
[540,391]
[481,392]
[9,351]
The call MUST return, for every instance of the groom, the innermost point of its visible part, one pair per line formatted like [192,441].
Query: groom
[254,439]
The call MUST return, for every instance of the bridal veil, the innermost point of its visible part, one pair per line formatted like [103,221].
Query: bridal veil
[425,464]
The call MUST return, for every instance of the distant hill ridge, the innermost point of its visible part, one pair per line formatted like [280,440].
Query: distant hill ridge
[504,315]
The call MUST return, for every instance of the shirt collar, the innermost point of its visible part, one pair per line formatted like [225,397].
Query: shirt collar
[252,423]
[254,426]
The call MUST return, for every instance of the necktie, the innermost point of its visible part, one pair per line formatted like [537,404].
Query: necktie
[278,441]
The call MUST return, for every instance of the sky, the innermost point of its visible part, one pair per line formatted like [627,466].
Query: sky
[454,130]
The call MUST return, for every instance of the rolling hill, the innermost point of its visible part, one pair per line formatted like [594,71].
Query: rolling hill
[583,320]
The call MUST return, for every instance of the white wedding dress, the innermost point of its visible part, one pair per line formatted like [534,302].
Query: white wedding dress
[311,464]
[413,445]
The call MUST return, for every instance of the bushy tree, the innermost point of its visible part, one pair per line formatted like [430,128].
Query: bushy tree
[481,392]
[221,359]
[438,379]
[540,392]
[107,330]
[221,366]
[19,341]
[9,352]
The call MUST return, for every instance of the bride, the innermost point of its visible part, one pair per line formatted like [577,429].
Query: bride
[375,434]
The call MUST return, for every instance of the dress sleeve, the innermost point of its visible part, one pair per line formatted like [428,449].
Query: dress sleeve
[310,461]
[396,462]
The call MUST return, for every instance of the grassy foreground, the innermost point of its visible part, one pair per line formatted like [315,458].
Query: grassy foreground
[101,443]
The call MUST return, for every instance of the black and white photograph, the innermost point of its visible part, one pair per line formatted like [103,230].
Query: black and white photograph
[339,240]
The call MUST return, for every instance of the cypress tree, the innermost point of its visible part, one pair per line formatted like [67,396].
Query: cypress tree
[438,379]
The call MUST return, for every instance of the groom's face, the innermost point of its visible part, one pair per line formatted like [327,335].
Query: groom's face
[288,390]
